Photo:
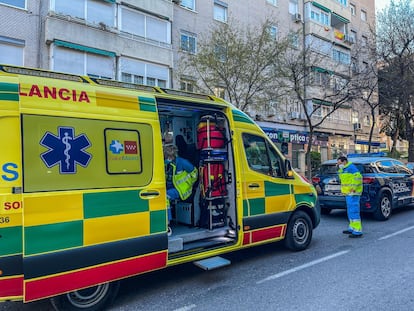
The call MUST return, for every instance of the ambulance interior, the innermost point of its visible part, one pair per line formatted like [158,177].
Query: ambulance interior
[207,219]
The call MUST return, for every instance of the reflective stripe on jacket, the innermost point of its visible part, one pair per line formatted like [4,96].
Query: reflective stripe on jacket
[184,181]
[351,180]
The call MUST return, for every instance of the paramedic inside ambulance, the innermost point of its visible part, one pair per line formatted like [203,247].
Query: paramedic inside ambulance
[180,177]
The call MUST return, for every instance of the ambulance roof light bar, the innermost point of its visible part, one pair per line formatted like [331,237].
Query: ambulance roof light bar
[41,73]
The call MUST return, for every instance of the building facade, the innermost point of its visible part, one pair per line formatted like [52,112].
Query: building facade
[140,41]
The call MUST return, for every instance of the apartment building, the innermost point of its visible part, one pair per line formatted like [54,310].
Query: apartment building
[123,40]
[140,40]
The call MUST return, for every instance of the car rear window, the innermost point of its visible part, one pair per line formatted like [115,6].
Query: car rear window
[332,169]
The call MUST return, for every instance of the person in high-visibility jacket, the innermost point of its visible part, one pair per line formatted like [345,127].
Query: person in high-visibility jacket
[351,187]
[180,177]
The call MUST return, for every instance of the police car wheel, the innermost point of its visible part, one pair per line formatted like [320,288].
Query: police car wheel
[89,299]
[384,207]
[299,232]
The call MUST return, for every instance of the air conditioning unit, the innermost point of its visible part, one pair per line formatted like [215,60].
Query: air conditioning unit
[357,126]
[294,115]
[297,18]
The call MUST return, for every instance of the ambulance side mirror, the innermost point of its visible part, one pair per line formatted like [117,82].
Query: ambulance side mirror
[288,169]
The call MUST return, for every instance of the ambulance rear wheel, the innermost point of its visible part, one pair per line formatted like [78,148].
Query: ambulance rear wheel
[299,232]
[89,299]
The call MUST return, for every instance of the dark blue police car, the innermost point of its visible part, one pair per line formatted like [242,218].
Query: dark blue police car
[388,184]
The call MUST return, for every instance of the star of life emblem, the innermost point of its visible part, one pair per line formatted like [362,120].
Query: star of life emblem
[65,150]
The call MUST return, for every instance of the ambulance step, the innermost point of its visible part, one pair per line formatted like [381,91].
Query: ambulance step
[212,263]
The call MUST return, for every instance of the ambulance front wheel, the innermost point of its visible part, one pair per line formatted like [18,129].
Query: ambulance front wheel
[89,299]
[299,231]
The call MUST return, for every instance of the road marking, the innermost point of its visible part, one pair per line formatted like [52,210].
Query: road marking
[307,265]
[186,308]
[396,233]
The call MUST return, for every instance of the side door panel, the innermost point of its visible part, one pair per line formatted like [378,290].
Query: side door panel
[94,207]
[267,196]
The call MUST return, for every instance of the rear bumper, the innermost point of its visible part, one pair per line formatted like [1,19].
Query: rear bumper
[332,202]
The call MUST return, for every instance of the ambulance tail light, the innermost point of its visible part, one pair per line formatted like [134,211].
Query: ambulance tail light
[368,180]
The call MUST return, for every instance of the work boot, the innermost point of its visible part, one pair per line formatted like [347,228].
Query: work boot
[355,236]
[347,231]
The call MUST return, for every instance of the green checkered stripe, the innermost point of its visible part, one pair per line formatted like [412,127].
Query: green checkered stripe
[258,205]
[9,91]
[240,116]
[147,104]
[64,235]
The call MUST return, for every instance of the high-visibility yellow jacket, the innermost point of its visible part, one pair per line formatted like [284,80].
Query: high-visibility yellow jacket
[351,180]
[183,181]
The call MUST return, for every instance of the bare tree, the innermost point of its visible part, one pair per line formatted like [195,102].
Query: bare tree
[395,38]
[238,59]
[335,91]
[365,81]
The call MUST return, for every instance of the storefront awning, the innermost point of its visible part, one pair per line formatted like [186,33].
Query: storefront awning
[83,48]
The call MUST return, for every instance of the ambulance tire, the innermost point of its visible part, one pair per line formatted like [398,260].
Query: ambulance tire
[89,299]
[299,232]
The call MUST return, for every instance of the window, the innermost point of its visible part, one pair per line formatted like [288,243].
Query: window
[187,85]
[16,3]
[343,2]
[318,45]
[353,9]
[363,15]
[220,11]
[320,16]
[317,110]
[95,12]
[341,57]
[355,117]
[386,166]
[129,77]
[83,63]
[320,78]
[220,53]
[11,51]
[364,40]
[219,92]
[273,32]
[189,4]
[145,26]
[294,39]
[367,121]
[188,43]
[273,2]
[262,157]
[136,71]
[293,7]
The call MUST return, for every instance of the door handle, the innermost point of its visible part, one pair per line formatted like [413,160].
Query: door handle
[149,193]
[254,185]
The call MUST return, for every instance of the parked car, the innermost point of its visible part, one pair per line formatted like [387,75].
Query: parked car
[387,184]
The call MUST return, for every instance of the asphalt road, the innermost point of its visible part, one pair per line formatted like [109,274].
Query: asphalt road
[375,272]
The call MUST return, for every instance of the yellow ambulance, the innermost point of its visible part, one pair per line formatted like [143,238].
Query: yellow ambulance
[83,198]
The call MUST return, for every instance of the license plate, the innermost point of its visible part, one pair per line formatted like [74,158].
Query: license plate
[332,187]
